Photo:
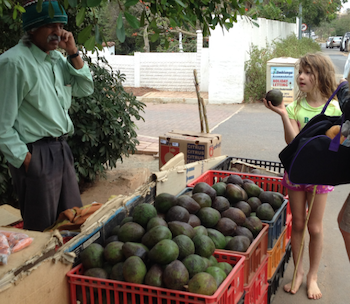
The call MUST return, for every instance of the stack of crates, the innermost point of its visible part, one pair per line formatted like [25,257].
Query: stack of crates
[256,263]
[280,227]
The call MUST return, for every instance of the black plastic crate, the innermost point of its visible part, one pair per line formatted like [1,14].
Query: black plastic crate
[267,164]
[275,280]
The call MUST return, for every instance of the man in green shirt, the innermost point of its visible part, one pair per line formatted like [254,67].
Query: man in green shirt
[36,85]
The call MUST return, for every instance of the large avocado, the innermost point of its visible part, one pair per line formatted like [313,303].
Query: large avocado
[238,243]
[92,256]
[185,244]
[164,201]
[275,199]
[131,232]
[154,276]
[252,190]
[96,273]
[204,245]
[164,252]
[226,226]
[188,203]
[235,193]
[131,248]
[265,212]
[177,213]
[113,252]
[194,221]
[208,216]
[178,228]
[244,206]
[218,274]
[203,187]
[254,224]
[143,213]
[235,214]
[194,263]
[275,96]
[156,234]
[220,203]
[202,283]
[217,237]
[220,188]
[203,199]
[175,275]
[134,270]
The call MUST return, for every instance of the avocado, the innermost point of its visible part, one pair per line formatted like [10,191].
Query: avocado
[208,216]
[202,283]
[143,213]
[265,212]
[275,96]
[203,187]
[175,275]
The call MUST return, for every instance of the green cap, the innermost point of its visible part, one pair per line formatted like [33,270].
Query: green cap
[34,19]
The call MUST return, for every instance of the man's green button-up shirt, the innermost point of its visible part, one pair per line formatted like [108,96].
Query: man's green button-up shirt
[36,89]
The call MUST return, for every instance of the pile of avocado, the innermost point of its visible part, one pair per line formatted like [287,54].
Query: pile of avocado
[171,243]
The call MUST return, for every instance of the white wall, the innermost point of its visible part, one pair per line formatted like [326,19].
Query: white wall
[220,68]
[229,50]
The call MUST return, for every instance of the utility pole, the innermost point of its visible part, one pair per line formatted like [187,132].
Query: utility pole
[300,19]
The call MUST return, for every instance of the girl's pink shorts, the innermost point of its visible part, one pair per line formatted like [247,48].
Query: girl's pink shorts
[306,188]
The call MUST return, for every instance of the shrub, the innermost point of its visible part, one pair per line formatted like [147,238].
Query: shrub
[255,67]
[104,123]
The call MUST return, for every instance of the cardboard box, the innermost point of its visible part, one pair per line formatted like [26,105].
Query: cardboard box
[35,274]
[176,175]
[195,146]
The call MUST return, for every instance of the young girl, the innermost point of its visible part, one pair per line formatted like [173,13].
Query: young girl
[316,82]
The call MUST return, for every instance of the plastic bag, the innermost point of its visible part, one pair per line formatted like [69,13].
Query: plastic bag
[17,241]
[5,250]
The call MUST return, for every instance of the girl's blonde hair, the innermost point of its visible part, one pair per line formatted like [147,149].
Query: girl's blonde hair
[323,72]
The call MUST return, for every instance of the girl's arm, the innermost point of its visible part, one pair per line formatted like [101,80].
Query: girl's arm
[291,128]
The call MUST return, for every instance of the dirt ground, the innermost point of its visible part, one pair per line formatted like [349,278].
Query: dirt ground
[139,91]
[125,179]
[128,176]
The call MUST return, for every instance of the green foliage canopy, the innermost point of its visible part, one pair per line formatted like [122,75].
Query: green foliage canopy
[204,14]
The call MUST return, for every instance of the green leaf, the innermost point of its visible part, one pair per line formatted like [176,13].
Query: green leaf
[121,34]
[93,3]
[7,4]
[98,37]
[142,19]
[66,4]
[90,43]
[84,3]
[180,3]
[14,15]
[39,6]
[73,3]
[154,37]
[80,16]
[132,20]
[51,10]
[129,3]
[20,8]
[120,20]
[84,34]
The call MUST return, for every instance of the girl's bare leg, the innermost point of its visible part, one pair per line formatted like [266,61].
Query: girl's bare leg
[297,200]
[315,228]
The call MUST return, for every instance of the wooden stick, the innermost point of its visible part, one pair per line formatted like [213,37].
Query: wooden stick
[199,99]
[205,114]
[303,238]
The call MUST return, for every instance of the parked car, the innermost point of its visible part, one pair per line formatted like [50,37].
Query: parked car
[328,42]
[344,42]
[335,42]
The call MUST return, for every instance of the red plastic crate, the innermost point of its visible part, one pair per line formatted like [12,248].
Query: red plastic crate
[288,231]
[111,291]
[255,255]
[267,183]
[256,291]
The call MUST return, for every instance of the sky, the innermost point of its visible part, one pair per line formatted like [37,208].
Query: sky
[346,6]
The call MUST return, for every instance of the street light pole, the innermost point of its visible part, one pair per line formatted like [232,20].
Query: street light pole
[300,19]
